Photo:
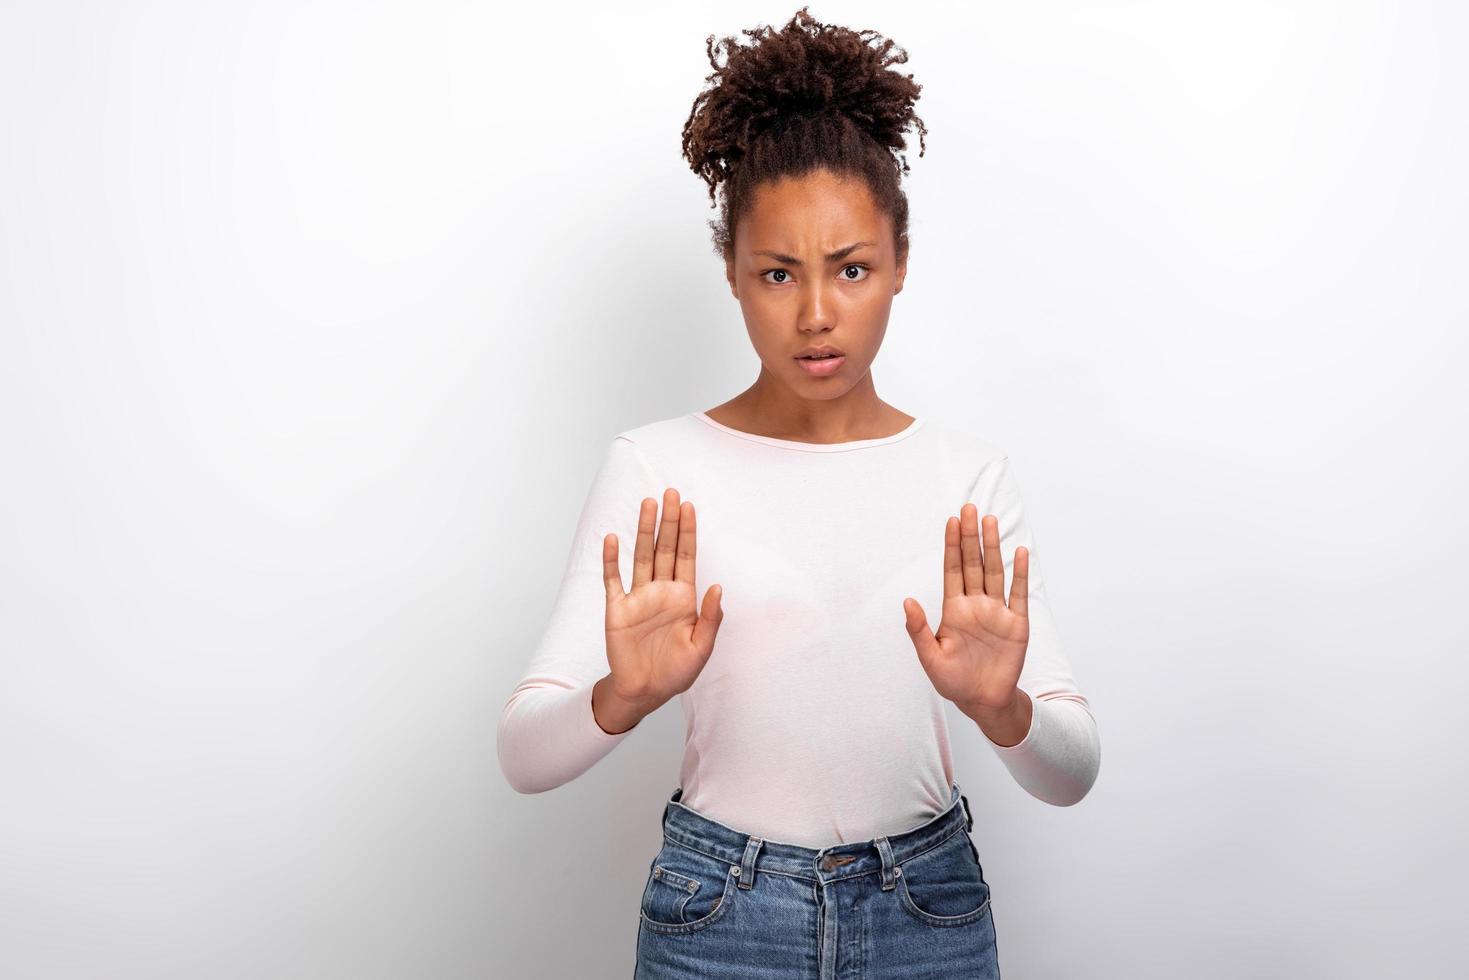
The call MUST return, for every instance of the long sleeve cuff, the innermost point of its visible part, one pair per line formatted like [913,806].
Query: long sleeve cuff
[548,734]
[1058,759]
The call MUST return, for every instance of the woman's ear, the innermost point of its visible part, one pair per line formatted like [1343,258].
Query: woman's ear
[729,273]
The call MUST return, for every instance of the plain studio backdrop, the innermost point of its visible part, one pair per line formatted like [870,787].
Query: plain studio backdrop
[317,319]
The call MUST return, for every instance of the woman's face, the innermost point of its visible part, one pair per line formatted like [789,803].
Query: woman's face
[815,265]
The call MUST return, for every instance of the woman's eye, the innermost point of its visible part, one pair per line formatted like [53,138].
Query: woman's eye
[784,276]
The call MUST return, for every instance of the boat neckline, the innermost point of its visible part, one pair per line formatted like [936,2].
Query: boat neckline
[813,447]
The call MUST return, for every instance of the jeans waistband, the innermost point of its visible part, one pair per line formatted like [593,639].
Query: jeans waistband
[749,853]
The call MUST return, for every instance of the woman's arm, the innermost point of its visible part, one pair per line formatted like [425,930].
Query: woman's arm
[547,734]
[1058,758]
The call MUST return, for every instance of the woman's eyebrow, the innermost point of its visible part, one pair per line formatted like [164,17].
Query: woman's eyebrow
[840,253]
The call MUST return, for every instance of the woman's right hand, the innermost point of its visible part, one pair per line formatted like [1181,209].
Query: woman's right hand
[657,642]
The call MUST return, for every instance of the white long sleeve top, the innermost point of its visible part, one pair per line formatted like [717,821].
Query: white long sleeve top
[813,721]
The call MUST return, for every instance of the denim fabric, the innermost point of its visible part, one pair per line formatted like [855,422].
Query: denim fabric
[722,903]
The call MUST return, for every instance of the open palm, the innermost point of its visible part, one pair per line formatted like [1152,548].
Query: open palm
[976,655]
[657,641]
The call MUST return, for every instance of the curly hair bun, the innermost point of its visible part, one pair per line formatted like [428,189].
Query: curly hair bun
[806,74]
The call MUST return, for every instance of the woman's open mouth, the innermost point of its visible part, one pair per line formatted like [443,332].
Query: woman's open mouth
[819,367]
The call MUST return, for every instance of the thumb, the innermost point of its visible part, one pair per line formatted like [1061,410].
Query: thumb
[923,639]
[710,616]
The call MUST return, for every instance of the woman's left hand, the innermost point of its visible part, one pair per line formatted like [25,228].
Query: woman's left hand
[975,657]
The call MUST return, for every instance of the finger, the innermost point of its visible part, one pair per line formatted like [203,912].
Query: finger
[611,574]
[663,554]
[642,554]
[953,573]
[994,562]
[923,639]
[1020,582]
[969,549]
[683,569]
[710,617]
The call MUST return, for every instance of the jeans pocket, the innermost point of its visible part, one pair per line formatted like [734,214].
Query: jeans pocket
[686,890]
[944,886]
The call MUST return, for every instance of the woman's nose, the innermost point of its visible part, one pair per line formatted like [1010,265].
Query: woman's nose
[817,310]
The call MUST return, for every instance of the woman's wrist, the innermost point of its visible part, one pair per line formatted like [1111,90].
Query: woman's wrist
[1006,726]
[615,715]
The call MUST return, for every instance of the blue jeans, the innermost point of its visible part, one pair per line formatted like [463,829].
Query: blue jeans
[722,903]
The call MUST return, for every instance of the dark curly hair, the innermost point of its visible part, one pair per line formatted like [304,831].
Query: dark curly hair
[809,96]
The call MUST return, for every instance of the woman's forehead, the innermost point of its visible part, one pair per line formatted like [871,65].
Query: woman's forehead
[811,214]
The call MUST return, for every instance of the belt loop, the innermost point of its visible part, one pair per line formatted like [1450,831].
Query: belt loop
[968,817]
[889,875]
[746,870]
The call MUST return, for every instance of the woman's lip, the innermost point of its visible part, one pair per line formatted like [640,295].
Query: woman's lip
[821,367]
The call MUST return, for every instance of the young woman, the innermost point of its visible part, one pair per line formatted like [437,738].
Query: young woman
[817,830]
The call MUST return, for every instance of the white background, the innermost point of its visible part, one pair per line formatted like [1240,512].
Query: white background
[316,320]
